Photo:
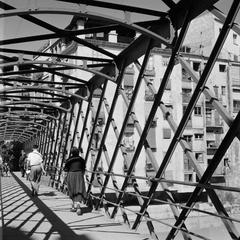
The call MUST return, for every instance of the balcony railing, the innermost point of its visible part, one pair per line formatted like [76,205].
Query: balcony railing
[211,150]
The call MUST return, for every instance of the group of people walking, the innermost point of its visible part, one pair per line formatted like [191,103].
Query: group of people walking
[31,165]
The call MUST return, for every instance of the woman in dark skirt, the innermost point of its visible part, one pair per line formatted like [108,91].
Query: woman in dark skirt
[75,166]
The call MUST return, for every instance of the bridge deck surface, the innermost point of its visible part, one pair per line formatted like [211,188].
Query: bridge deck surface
[47,216]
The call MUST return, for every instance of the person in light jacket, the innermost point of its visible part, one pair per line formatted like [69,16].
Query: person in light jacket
[35,163]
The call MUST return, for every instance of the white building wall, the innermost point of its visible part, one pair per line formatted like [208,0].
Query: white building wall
[200,35]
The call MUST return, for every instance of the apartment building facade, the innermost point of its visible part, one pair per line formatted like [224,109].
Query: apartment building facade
[205,128]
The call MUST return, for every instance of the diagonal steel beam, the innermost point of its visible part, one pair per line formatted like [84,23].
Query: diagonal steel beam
[120,136]
[124,215]
[153,110]
[198,90]
[114,101]
[27,52]
[170,3]
[226,142]
[79,109]
[56,30]
[209,94]
[222,18]
[199,171]
[119,140]
[95,123]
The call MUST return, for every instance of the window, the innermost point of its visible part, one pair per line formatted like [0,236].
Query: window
[185,49]
[235,57]
[128,143]
[223,90]
[150,64]
[169,111]
[186,95]
[165,61]
[198,111]
[188,138]
[208,116]
[199,157]
[222,68]
[196,66]
[185,76]
[128,80]
[129,130]
[208,112]
[187,164]
[166,133]
[89,36]
[236,106]
[188,177]
[149,95]
[100,35]
[97,92]
[234,38]
[198,136]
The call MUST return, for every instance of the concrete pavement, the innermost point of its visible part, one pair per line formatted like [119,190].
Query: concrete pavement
[47,217]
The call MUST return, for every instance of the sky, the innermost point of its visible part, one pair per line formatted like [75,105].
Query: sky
[14,27]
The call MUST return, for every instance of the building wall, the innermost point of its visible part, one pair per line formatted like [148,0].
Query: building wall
[200,35]
[200,38]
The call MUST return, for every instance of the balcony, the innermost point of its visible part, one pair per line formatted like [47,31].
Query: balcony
[149,95]
[150,172]
[214,129]
[149,72]
[217,179]
[186,97]
[212,126]
[211,150]
[186,84]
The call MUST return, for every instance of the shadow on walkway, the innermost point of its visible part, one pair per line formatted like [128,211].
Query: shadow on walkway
[58,226]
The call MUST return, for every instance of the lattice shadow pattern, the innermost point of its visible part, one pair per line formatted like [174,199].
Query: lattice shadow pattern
[115,86]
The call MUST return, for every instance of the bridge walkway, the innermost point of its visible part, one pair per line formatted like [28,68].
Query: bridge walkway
[47,217]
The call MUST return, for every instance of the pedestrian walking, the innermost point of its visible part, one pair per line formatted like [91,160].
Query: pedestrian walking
[75,168]
[35,162]
[22,163]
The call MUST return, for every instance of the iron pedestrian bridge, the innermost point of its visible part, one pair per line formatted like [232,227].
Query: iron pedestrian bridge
[49,97]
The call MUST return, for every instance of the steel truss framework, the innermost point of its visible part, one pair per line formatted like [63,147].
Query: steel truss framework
[52,112]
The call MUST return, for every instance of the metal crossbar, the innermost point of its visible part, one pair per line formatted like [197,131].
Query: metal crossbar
[98,71]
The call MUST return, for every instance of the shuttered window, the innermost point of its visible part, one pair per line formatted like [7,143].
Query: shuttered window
[166,133]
